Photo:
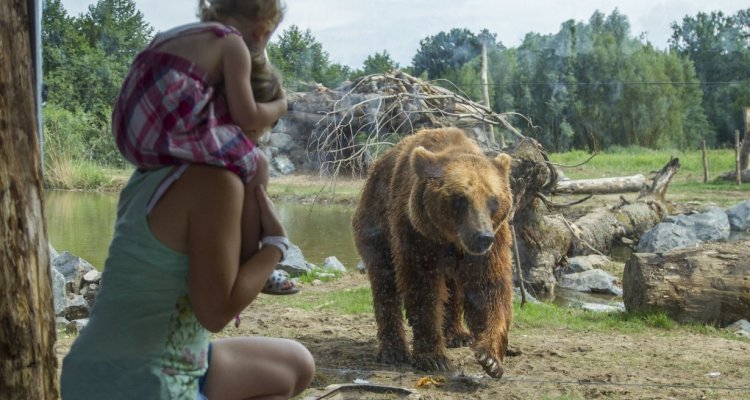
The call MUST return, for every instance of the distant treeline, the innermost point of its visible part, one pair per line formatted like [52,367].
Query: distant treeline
[592,85]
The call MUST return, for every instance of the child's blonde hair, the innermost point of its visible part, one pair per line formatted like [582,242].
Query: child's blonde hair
[267,13]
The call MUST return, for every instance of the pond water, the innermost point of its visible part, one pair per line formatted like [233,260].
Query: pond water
[82,223]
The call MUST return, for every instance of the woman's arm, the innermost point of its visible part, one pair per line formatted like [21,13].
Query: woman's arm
[250,115]
[219,286]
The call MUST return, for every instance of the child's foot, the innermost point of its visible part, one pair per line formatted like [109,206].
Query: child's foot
[279,283]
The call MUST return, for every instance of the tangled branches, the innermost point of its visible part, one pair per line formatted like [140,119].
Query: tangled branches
[366,117]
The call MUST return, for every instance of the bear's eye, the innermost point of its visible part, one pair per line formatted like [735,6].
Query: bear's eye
[460,203]
[493,205]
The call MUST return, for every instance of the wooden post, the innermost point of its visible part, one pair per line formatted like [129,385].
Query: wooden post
[745,149]
[737,170]
[486,98]
[705,163]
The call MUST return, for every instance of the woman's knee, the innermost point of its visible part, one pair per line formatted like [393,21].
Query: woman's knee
[304,365]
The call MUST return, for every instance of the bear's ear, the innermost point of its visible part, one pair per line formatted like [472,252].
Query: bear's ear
[502,163]
[425,163]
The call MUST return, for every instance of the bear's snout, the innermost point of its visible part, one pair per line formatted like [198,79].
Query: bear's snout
[479,243]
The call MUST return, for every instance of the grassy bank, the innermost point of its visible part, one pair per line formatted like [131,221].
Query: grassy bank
[687,185]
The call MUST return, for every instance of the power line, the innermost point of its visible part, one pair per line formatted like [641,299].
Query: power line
[613,83]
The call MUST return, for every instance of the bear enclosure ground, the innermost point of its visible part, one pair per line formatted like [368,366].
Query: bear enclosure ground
[550,363]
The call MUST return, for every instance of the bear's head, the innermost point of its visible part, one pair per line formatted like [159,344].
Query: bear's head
[464,196]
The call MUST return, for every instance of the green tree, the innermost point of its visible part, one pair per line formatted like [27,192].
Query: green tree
[718,46]
[379,63]
[445,51]
[301,59]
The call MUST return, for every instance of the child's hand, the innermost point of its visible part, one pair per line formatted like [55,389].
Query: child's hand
[269,221]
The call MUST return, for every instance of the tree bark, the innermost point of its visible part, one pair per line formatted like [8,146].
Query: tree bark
[620,184]
[27,322]
[708,284]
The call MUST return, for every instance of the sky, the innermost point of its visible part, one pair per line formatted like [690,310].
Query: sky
[352,30]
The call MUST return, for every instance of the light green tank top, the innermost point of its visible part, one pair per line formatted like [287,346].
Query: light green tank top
[142,340]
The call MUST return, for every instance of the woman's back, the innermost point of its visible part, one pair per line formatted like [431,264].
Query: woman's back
[142,340]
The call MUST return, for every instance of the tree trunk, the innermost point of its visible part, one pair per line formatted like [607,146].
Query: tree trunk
[621,184]
[27,322]
[707,284]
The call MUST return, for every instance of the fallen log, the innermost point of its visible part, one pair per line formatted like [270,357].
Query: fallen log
[706,284]
[621,184]
[545,239]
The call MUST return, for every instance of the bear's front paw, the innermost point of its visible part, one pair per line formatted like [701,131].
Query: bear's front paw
[393,355]
[457,338]
[431,362]
[492,365]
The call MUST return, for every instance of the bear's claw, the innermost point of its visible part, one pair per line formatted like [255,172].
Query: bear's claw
[431,362]
[454,340]
[393,356]
[492,366]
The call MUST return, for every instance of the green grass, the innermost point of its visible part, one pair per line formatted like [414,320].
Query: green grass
[637,160]
[531,316]
[345,301]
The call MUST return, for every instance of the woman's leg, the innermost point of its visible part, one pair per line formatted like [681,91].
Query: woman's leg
[258,368]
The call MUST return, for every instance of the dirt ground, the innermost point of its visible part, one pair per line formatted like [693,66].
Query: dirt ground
[547,364]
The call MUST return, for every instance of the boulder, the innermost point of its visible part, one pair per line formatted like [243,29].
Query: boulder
[585,263]
[333,264]
[739,216]
[594,281]
[666,236]
[710,225]
[295,263]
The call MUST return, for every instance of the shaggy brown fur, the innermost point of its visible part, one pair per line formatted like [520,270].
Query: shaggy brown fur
[432,230]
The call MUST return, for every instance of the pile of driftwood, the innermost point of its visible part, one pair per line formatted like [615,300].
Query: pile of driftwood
[351,125]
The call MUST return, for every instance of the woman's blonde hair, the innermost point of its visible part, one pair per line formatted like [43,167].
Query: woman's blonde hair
[268,13]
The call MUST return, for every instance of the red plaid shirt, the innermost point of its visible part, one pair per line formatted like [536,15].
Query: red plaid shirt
[167,113]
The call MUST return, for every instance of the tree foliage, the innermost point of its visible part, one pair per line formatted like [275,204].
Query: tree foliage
[719,47]
[590,85]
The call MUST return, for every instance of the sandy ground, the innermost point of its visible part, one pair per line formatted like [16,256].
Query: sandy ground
[547,364]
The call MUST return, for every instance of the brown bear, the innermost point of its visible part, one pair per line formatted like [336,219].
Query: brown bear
[432,230]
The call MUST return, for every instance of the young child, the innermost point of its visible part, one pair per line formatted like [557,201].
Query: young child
[205,93]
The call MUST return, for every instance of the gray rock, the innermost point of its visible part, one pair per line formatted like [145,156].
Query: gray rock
[295,263]
[76,307]
[281,141]
[333,264]
[739,216]
[607,308]
[586,263]
[666,236]
[710,225]
[282,164]
[73,268]
[92,276]
[594,281]
[741,327]
[58,290]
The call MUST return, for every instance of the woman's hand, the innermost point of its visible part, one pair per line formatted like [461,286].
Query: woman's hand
[269,221]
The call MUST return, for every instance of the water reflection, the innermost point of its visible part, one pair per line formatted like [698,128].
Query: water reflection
[82,223]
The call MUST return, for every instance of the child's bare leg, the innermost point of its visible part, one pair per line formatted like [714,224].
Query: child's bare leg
[250,212]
